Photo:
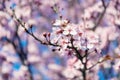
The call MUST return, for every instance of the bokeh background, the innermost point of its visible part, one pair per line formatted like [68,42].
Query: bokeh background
[24,58]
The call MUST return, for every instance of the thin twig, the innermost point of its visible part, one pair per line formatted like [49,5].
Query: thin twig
[31,33]
[94,65]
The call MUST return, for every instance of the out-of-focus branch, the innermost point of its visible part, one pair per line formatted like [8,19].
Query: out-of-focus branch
[103,2]
[15,48]
[101,15]
[21,55]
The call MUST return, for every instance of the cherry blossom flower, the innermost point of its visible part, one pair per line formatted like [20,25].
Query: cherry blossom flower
[61,22]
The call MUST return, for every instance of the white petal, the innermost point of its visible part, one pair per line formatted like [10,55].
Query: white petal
[66,32]
[73,32]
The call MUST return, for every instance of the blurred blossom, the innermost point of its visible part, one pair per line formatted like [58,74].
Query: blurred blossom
[34,59]
[55,67]
[67,73]
[6,69]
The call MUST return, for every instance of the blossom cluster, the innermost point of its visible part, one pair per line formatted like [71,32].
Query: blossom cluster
[67,35]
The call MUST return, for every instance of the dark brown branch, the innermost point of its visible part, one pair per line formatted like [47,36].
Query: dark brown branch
[75,49]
